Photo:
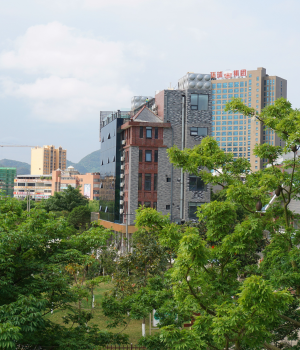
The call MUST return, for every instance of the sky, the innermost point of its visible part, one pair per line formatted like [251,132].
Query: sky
[62,61]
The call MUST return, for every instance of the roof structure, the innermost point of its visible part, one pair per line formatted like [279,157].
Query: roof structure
[146,115]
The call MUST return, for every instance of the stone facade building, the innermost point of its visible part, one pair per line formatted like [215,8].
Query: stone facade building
[179,117]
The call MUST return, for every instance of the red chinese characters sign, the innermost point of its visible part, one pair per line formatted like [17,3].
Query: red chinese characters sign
[229,74]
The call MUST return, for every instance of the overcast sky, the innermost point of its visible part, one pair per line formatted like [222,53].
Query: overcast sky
[62,61]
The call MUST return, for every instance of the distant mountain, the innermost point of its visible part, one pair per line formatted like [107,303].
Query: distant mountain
[22,168]
[88,164]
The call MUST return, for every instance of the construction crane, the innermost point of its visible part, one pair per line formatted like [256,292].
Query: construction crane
[17,146]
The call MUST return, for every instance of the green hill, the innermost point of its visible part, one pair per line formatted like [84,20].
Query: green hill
[22,167]
[88,164]
[91,162]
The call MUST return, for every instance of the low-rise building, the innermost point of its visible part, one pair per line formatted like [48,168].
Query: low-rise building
[43,186]
[7,176]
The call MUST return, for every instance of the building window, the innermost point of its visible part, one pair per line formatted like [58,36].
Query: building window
[155,205]
[193,209]
[196,184]
[168,179]
[139,204]
[156,133]
[141,132]
[147,204]
[199,131]
[140,182]
[147,182]
[199,102]
[148,156]
[149,132]
[168,207]
[155,182]
[140,155]
[156,156]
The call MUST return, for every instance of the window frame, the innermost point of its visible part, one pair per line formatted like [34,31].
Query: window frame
[147,183]
[149,129]
[148,152]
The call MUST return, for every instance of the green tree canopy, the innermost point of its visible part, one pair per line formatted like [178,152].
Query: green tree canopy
[43,267]
[66,200]
[80,217]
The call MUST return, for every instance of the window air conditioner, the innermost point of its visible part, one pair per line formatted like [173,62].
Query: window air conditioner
[121,193]
[122,176]
[122,167]
[123,142]
[122,184]
[121,201]
[122,159]
[121,211]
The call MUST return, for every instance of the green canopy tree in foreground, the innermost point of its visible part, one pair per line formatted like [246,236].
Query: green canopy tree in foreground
[39,257]
[240,278]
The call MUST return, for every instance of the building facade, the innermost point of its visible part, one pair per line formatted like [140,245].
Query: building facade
[179,117]
[7,177]
[89,183]
[110,163]
[40,187]
[46,159]
[236,133]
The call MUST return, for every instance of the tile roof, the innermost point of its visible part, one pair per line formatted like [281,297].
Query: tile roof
[146,115]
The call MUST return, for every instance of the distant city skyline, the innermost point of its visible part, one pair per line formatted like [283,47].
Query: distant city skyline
[61,62]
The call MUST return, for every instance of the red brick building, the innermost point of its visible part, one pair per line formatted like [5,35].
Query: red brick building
[144,132]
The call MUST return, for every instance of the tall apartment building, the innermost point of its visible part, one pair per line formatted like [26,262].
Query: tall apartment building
[237,133]
[7,176]
[46,159]
[179,117]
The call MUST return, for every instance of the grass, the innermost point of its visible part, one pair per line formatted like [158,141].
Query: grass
[133,329]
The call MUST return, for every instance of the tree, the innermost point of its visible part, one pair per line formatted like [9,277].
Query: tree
[242,303]
[80,217]
[39,259]
[66,200]
[238,273]
[134,272]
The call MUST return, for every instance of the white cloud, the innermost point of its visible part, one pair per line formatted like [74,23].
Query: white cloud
[71,75]
[110,3]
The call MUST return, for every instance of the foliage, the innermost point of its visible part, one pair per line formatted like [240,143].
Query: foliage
[66,200]
[217,279]
[94,205]
[80,217]
[43,267]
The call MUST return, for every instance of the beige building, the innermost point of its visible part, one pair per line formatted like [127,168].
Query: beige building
[237,133]
[46,159]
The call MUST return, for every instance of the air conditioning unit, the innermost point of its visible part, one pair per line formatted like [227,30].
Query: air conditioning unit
[122,159]
[121,211]
[122,184]
[123,142]
[122,176]
[121,201]
[122,167]
[121,193]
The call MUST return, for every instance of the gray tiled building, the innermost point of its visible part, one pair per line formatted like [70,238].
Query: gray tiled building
[180,117]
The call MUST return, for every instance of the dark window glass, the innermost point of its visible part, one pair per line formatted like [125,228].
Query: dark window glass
[202,131]
[194,101]
[147,204]
[148,156]
[168,207]
[193,209]
[155,182]
[139,204]
[140,155]
[156,133]
[196,184]
[168,179]
[147,182]
[156,156]
[149,133]
[194,131]
[155,205]
[141,132]
[140,182]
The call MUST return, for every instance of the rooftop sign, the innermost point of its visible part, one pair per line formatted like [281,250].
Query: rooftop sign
[228,74]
